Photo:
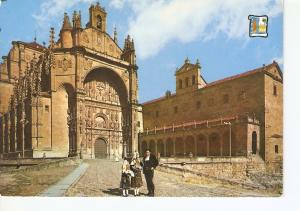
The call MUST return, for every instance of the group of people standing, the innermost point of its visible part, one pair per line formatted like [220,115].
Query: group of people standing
[132,169]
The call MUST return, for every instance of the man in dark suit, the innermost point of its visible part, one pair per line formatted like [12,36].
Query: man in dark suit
[149,164]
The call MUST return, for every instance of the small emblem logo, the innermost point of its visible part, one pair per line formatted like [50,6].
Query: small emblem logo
[258,26]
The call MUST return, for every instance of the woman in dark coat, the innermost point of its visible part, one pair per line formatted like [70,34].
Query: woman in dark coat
[136,181]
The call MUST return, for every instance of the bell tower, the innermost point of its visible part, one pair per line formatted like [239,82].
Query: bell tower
[97,17]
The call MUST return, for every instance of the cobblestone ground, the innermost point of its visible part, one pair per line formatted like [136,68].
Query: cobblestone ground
[103,176]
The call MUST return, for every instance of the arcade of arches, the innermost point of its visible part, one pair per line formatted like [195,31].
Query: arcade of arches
[202,142]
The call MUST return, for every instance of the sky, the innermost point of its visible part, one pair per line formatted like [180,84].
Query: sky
[165,32]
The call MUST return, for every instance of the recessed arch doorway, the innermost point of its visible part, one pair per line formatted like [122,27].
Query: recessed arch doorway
[100,148]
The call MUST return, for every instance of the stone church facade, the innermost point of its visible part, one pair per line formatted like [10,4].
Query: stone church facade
[241,115]
[76,97]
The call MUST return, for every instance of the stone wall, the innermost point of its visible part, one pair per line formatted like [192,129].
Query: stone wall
[252,172]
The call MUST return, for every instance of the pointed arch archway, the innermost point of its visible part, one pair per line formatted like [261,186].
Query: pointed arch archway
[107,110]
[64,116]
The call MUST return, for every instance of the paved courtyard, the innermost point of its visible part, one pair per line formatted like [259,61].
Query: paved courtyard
[102,178]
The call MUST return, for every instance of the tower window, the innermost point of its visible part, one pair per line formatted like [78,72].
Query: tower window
[47,108]
[193,80]
[276,149]
[157,113]
[186,82]
[180,84]
[99,22]
[275,90]
[175,109]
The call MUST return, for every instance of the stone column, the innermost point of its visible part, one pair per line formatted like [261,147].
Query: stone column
[15,129]
[221,147]
[165,148]
[174,147]
[184,147]
[5,134]
[195,146]
[207,145]
[79,122]
[8,133]
[1,135]
[155,147]
[22,125]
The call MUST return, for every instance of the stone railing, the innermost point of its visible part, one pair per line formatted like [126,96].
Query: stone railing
[199,124]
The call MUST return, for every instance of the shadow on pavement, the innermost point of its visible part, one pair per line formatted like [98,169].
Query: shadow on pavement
[113,191]
[118,192]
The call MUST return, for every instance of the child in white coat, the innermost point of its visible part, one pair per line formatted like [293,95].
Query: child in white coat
[125,177]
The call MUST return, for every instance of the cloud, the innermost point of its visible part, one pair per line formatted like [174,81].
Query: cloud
[55,8]
[155,23]
[118,4]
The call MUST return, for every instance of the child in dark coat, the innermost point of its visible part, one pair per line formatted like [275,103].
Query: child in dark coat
[136,181]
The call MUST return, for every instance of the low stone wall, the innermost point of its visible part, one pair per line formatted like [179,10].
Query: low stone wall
[44,164]
[251,172]
[221,170]
[200,177]
[275,167]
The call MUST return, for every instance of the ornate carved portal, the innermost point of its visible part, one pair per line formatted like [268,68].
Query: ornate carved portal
[105,113]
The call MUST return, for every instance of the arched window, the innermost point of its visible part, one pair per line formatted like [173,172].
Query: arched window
[180,84]
[276,149]
[99,22]
[186,82]
[100,122]
[275,90]
[254,142]
[193,80]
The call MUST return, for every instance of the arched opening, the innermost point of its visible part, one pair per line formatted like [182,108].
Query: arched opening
[100,148]
[180,84]
[100,121]
[160,147]
[186,82]
[144,146]
[152,146]
[64,115]
[254,142]
[106,108]
[226,144]
[193,80]
[214,145]
[275,90]
[169,147]
[99,22]
[190,145]
[179,147]
[201,145]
